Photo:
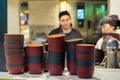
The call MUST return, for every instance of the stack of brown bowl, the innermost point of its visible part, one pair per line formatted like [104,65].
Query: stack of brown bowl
[56,54]
[14,53]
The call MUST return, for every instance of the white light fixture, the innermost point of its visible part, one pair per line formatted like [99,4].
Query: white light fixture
[63,5]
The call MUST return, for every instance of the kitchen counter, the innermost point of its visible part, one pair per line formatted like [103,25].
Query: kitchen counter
[99,74]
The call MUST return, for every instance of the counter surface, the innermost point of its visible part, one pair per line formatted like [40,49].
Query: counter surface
[99,74]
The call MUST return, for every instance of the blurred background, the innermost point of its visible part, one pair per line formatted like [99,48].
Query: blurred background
[36,18]
[39,17]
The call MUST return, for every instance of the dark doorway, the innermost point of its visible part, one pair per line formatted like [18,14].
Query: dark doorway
[3,29]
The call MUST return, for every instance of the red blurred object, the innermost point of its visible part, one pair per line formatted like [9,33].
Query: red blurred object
[56,54]
[55,69]
[72,67]
[34,58]
[115,35]
[85,60]
[85,72]
[14,53]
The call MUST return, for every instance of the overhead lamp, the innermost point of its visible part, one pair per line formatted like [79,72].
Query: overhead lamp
[63,5]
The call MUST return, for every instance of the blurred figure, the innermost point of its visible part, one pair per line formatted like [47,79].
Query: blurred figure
[66,27]
[108,26]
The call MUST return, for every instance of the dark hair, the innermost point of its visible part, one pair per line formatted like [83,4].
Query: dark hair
[64,13]
[110,20]
[114,17]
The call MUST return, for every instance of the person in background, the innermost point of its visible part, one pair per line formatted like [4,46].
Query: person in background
[108,25]
[66,27]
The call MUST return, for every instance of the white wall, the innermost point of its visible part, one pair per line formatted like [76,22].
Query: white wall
[71,7]
[13,22]
[50,9]
[113,7]
[43,12]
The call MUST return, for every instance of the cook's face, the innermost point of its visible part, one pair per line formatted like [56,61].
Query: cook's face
[65,21]
[107,28]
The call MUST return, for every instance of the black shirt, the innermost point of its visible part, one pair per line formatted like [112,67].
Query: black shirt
[71,35]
